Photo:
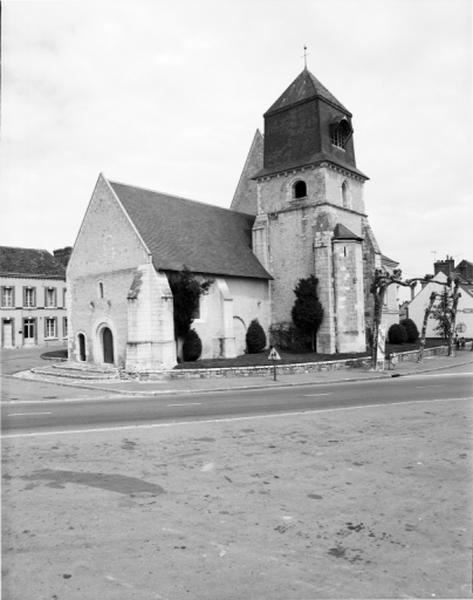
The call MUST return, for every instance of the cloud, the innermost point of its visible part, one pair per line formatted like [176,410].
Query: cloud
[168,95]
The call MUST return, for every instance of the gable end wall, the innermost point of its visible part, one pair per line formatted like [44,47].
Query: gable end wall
[107,249]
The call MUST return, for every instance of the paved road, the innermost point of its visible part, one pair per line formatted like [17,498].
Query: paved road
[84,413]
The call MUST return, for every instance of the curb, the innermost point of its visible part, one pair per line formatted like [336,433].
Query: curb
[382,375]
[263,386]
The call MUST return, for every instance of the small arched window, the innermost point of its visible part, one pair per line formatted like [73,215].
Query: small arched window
[300,189]
[345,195]
[100,289]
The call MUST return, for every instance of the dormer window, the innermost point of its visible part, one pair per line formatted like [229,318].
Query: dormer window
[340,133]
[299,189]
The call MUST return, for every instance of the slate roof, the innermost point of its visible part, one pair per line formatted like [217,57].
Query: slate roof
[314,159]
[387,260]
[341,232]
[29,262]
[204,238]
[467,287]
[245,197]
[304,87]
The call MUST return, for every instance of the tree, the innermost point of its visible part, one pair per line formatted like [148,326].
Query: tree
[445,312]
[186,291]
[441,313]
[381,281]
[428,310]
[255,338]
[307,312]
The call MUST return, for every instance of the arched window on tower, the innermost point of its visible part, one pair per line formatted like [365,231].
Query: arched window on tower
[345,195]
[340,133]
[299,189]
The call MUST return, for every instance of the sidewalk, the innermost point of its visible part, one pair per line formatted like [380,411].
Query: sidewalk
[181,386]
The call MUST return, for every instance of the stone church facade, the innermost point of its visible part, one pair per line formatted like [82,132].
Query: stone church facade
[310,214]
[298,210]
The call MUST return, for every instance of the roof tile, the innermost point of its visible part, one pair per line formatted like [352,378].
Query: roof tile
[29,261]
[204,238]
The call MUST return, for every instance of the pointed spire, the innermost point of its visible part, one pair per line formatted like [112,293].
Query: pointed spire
[305,87]
[305,57]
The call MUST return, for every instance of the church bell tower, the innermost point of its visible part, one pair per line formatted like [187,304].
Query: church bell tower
[310,212]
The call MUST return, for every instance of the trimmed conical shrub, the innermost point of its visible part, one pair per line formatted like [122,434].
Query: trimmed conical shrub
[255,338]
[397,334]
[192,346]
[411,330]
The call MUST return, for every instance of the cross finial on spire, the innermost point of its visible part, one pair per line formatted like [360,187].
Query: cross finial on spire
[305,56]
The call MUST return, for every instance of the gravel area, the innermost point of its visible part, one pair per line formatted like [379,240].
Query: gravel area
[355,503]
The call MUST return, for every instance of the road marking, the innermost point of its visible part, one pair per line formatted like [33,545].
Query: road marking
[28,414]
[65,400]
[313,395]
[420,387]
[226,419]
[429,375]
[185,404]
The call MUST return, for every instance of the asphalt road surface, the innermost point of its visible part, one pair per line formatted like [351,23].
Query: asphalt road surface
[79,414]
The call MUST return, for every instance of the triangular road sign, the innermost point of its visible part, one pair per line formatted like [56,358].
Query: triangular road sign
[273,355]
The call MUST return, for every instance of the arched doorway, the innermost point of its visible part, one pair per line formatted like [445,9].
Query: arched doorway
[81,341]
[107,345]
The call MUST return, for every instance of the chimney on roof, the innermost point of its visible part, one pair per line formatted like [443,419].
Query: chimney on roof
[62,255]
[446,266]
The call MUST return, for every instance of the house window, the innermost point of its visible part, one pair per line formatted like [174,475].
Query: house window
[64,326]
[50,327]
[7,296]
[100,289]
[64,296]
[340,133]
[29,329]
[50,297]
[29,297]
[299,189]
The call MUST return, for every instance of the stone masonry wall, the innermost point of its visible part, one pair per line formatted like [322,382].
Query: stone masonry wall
[348,279]
[292,225]
[107,250]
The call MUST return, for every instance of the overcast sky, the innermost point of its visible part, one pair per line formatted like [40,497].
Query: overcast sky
[168,94]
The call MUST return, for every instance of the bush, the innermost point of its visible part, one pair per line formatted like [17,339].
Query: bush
[286,336]
[192,346]
[255,338]
[397,334]
[411,329]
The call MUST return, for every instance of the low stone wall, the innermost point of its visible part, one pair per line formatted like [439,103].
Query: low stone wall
[284,369]
[413,354]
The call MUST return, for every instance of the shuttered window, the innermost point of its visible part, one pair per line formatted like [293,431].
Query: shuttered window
[29,297]
[50,327]
[8,296]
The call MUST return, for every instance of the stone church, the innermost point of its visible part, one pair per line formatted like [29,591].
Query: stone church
[298,210]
